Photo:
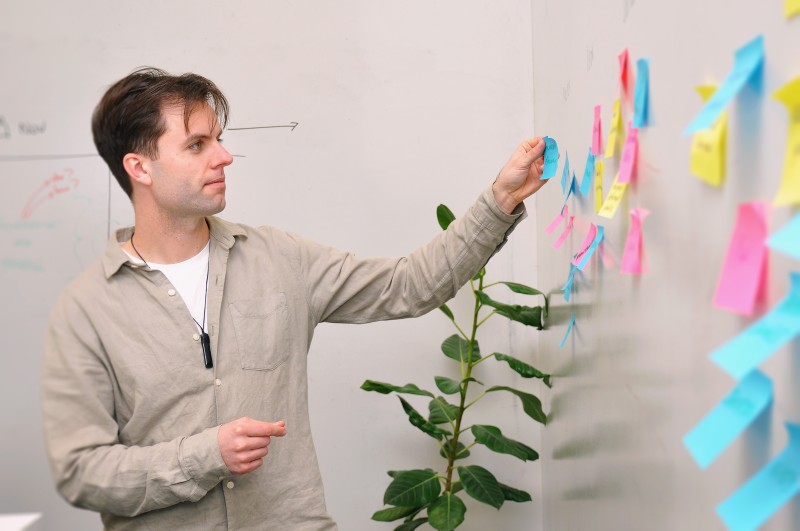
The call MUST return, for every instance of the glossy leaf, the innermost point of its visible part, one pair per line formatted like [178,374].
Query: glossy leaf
[441,411]
[446,310]
[493,439]
[416,419]
[461,450]
[457,348]
[385,388]
[444,216]
[447,512]
[410,526]
[457,487]
[527,290]
[523,369]
[393,513]
[527,315]
[530,404]
[447,385]
[515,495]
[481,485]
[413,488]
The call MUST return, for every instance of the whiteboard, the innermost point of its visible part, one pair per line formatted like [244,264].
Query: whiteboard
[635,375]
[384,110]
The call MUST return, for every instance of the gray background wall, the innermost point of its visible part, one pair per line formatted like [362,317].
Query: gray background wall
[636,375]
[400,107]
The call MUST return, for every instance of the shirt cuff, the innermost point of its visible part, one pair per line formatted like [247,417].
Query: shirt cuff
[201,459]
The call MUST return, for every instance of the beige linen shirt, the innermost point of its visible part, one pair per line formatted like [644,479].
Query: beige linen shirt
[131,414]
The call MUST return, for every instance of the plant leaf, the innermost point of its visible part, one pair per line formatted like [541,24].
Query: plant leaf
[527,290]
[523,369]
[447,312]
[444,216]
[479,274]
[393,513]
[457,348]
[416,419]
[471,379]
[413,488]
[441,411]
[530,404]
[457,487]
[447,385]
[527,315]
[385,388]
[493,439]
[447,512]
[481,485]
[410,526]
[515,495]
[461,450]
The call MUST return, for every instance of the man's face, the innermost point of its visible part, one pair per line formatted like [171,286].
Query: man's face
[189,175]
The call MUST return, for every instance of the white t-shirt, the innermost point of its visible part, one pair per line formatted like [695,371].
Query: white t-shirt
[188,278]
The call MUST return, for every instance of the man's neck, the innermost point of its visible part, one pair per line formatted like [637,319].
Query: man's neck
[168,241]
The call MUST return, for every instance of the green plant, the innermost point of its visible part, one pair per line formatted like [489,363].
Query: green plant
[413,491]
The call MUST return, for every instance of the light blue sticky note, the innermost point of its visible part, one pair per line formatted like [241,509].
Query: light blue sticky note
[724,423]
[569,329]
[766,492]
[568,286]
[588,174]
[550,158]
[748,61]
[641,94]
[787,240]
[565,173]
[760,340]
[572,188]
[598,237]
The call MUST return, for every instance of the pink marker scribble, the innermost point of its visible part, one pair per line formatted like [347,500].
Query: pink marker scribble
[58,184]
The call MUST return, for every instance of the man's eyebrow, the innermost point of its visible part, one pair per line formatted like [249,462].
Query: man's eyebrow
[197,136]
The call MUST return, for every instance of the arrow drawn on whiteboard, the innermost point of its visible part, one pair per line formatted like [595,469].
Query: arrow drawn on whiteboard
[56,185]
[291,125]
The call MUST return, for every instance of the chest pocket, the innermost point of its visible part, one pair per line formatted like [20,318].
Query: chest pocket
[262,327]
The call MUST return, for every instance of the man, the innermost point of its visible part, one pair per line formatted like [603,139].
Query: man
[172,363]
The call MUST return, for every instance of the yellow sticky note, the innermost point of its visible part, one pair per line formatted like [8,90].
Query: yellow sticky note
[616,126]
[708,146]
[598,185]
[613,198]
[789,192]
[792,7]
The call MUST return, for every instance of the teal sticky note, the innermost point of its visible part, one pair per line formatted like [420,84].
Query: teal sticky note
[592,248]
[588,174]
[766,492]
[550,158]
[787,240]
[718,429]
[747,65]
[641,94]
[760,340]
[565,173]
[568,286]
[569,329]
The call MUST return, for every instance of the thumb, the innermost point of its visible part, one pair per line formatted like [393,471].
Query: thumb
[534,148]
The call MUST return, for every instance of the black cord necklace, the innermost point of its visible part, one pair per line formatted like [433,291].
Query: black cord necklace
[205,341]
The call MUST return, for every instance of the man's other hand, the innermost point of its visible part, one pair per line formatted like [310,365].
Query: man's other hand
[244,443]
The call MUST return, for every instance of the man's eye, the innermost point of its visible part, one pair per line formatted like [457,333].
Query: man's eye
[196,146]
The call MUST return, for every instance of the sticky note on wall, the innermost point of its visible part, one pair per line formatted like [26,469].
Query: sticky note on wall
[709,146]
[613,198]
[588,173]
[787,240]
[598,185]
[791,7]
[633,256]
[627,167]
[624,77]
[789,191]
[615,131]
[550,158]
[641,95]
[597,132]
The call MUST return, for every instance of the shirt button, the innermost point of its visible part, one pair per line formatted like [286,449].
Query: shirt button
[229,484]
[171,292]
[196,336]
[217,382]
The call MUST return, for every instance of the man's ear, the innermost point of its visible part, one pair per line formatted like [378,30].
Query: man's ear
[138,168]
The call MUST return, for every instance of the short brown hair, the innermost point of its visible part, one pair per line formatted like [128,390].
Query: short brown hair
[128,118]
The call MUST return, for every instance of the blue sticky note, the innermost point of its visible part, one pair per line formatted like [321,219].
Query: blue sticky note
[588,174]
[760,340]
[747,65]
[787,240]
[550,158]
[641,94]
[568,286]
[598,237]
[569,329]
[766,492]
[572,188]
[565,173]
[725,422]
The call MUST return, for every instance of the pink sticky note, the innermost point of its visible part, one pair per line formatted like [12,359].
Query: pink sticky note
[633,256]
[597,133]
[627,166]
[560,241]
[623,74]
[743,273]
[557,221]
[586,244]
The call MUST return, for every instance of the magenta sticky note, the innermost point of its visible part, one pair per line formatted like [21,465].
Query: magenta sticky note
[743,273]
[586,244]
[627,167]
[560,241]
[558,219]
[633,256]
[597,133]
